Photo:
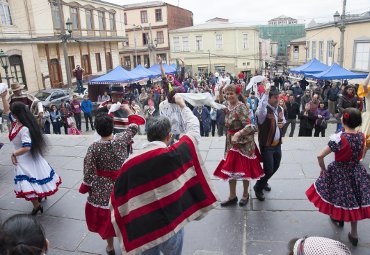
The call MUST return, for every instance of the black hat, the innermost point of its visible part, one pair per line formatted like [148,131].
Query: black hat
[116,89]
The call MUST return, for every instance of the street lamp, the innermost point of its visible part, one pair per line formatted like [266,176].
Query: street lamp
[5,64]
[340,22]
[69,26]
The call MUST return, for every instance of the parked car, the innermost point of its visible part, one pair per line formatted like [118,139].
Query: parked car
[52,96]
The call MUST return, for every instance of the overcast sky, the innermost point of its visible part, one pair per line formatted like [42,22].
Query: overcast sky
[260,11]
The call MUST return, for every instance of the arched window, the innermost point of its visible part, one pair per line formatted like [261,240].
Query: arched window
[17,69]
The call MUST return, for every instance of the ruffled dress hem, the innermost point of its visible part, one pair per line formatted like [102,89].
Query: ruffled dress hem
[33,195]
[98,220]
[239,166]
[336,212]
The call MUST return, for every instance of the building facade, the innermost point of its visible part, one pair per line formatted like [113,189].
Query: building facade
[282,20]
[323,41]
[297,52]
[282,34]
[217,46]
[30,34]
[147,28]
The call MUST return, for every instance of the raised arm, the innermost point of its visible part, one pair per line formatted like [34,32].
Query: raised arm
[181,77]
[192,126]
[160,62]
[5,102]
[366,83]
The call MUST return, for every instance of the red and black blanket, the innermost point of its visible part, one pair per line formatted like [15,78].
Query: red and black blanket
[158,192]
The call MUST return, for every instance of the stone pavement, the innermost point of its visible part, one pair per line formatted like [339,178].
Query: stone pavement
[260,228]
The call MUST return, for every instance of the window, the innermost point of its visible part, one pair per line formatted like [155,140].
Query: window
[160,37]
[329,53]
[362,56]
[127,62]
[176,44]
[245,41]
[220,68]
[17,69]
[163,57]
[199,43]
[202,70]
[71,60]
[56,15]
[185,44]
[112,22]
[313,54]
[218,41]
[74,16]
[109,61]
[321,51]
[295,52]
[146,61]
[5,16]
[158,15]
[98,62]
[144,16]
[125,18]
[86,63]
[89,19]
[145,38]
[137,61]
[101,20]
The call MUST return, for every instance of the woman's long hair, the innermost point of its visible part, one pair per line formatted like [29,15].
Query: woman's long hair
[27,119]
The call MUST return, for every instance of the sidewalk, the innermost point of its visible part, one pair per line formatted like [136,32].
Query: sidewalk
[260,228]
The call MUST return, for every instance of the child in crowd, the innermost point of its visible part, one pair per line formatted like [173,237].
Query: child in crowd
[73,130]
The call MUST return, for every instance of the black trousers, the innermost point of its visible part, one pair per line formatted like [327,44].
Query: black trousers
[213,127]
[271,157]
[319,130]
[78,120]
[221,129]
[88,116]
[307,132]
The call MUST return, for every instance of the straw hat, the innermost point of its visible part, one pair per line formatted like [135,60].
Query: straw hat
[16,86]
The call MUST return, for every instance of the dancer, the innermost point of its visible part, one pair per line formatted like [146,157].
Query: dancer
[242,159]
[343,189]
[365,127]
[34,178]
[101,167]
[270,119]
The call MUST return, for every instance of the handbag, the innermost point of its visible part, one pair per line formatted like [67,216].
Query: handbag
[324,124]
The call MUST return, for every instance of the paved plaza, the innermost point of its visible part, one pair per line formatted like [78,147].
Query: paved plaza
[260,228]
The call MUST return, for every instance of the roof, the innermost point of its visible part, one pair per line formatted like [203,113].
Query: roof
[354,19]
[143,5]
[282,17]
[302,39]
[214,25]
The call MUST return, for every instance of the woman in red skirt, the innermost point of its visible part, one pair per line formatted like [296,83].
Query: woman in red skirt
[343,189]
[242,159]
[102,164]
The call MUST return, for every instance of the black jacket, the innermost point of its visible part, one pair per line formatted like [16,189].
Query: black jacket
[292,109]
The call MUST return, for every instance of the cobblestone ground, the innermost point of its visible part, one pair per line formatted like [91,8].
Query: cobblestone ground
[260,228]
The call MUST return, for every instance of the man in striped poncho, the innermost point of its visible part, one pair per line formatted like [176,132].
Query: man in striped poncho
[160,189]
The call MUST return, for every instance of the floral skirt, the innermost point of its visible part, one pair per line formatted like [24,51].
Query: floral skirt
[342,192]
[238,166]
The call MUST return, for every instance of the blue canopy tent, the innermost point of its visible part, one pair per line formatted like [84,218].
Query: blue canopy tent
[167,69]
[117,76]
[311,67]
[336,72]
[143,72]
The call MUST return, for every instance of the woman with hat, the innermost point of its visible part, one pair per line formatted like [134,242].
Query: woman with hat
[34,179]
[242,160]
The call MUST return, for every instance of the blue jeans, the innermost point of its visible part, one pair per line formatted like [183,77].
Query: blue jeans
[79,87]
[172,246]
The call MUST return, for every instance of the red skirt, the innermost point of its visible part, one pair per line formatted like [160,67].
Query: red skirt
[337,213]
[98,220]
[238,166]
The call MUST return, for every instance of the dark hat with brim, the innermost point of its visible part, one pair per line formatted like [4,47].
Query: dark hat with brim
[117,89]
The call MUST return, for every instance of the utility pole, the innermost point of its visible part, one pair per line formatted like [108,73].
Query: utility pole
[65,49]
[342,29]
[135,38]
[151,45]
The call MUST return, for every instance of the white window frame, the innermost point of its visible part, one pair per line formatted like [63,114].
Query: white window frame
[198,43]
[245,41]
[160,40]
[313,50]
[176,44]
[321,51]
[364,58]
[218,41]
[89,19]
[75,22]
[6,18]
[329,53]
[185,44]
